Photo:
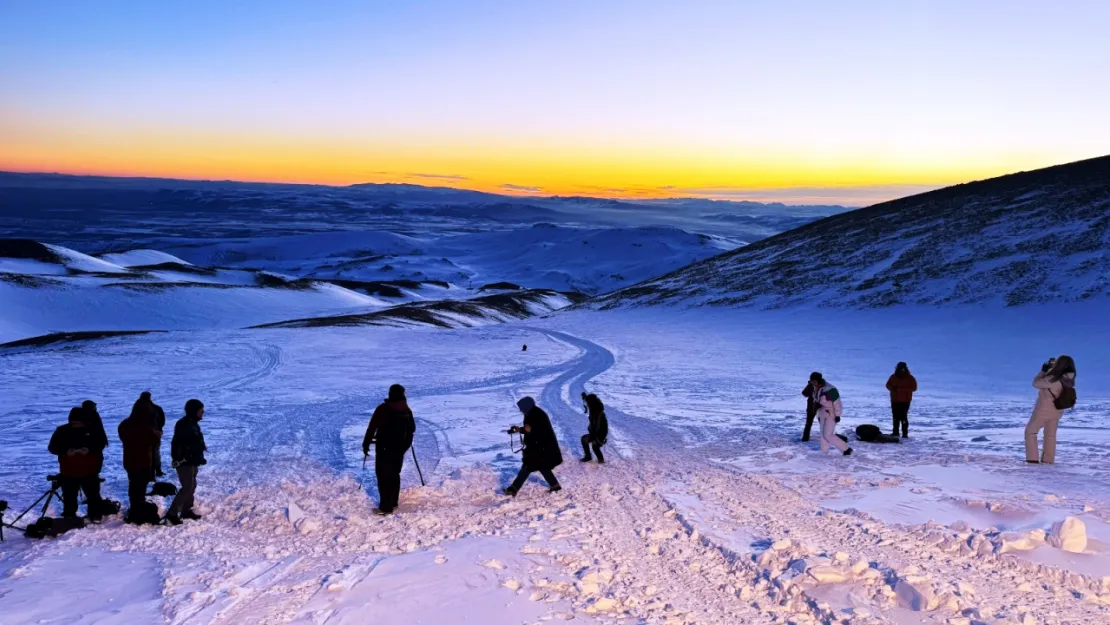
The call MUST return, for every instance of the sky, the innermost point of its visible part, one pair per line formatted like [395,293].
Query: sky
[847,102]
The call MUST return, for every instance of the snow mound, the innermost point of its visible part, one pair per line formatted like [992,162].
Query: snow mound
[142,258]
[1031,237]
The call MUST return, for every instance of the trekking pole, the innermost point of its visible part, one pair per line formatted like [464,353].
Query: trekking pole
[417,463]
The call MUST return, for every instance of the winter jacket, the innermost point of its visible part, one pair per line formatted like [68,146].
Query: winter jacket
[811,400]
[187,447]
[541,447]
[599,427]
[1048,390]
[67,438]
[391,428]
[140,438]
[96,424]
[829,399]
[901,388]
[159,416]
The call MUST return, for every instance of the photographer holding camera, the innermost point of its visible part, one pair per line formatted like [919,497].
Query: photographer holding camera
[1055,386]
[541,447]
[80,451]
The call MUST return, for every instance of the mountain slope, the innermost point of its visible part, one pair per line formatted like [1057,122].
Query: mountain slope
[1039,236]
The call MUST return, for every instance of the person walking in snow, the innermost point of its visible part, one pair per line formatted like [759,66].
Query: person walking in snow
[391,430]
[139,436]
[811,405]
[80,451]
[902,385]
[541,447]
[828,413]
[1055,386]
[598,430]
[187,454]
[96,425]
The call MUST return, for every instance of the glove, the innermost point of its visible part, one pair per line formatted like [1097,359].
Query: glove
[366,451]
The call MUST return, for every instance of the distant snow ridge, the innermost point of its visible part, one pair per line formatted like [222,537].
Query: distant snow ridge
[1026,238]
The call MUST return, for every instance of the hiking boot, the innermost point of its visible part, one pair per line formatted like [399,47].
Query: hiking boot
[95,520]
[585,460]
[848,452]
[380,512]
[1033,461]
[173,520]
[189,514]
[509,491]
[556,488]
[601,460]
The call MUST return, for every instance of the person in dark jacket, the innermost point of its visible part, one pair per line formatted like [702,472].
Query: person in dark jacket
[139,436]
[80,451]
[598,431]
[96,425]
[159,416]
[187,453]
[902,385]
[391,430]
[541,447]
[809,392]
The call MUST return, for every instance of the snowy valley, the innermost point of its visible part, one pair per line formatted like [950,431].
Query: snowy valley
[287,323]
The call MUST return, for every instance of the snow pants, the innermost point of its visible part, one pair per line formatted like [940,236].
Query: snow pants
[387,468]
[522,477]
[828,432]
[136,488]
[183,502]
[901,413]
[1049,423]
[71,486]
[588,442]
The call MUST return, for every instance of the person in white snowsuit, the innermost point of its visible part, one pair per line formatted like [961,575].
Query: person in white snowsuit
[828,412]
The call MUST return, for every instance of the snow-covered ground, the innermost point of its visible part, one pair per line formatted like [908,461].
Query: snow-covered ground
[709,510]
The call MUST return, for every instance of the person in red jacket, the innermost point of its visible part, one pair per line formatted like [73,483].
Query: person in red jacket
[139,435]
[902,385]
[79,449]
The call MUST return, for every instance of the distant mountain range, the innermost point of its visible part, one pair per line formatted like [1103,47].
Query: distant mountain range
[1030,237]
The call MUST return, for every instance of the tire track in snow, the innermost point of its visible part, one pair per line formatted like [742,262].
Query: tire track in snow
[269,356]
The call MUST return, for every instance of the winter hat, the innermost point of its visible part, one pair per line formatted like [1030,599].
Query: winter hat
[526,405]
[816,377]
[145,395]
[396,393]
[88,404]
[76,415]
[903,366]
[193,408]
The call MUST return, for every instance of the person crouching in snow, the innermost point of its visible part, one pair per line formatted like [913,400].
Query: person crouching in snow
[187,454]
[598,430]
[541,447]
[829,411]
[1055,386]
[902,385]
[391,430]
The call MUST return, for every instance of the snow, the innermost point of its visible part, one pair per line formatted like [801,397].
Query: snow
[708,511]
[141,258]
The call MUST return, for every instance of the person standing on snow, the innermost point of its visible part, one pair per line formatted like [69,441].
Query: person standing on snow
[811,405]
[541,447]
[80,452]
[1055,386]
[187,454]
[139,436]
[96,425]
[902,385]
[159,417]
[391,430]
[598,430]
[828,413]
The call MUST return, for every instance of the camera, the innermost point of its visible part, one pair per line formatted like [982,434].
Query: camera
[54,479]
[1048,365]
[513,429]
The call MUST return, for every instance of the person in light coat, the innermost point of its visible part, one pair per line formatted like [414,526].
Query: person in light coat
[1055,375]
[828,412]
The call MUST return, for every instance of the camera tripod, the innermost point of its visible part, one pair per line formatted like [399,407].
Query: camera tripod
[48,496]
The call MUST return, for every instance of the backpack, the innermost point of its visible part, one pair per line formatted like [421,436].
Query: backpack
[1066,399]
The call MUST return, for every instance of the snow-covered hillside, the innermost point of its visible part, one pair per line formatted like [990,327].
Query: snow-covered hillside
[1037,236]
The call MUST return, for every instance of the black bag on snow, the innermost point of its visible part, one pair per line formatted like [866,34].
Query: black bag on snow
[145,513]
[872,434]
[108,507]
[162,489]
[51,527]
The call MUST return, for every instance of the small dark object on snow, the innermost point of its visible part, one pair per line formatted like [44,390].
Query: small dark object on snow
[162,489]
[980,439]
[47,526]
[524,349]
[873,434]
[144,513]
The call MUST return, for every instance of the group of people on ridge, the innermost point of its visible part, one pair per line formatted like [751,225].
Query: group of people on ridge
[1055,384]
[80,445]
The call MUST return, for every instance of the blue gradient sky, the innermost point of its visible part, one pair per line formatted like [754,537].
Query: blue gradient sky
[807,101]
